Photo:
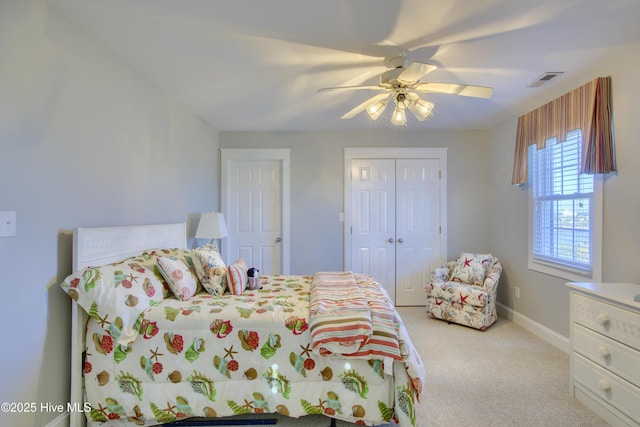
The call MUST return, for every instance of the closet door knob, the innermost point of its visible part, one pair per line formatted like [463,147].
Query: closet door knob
[278,240]
[400,240]
[390,240]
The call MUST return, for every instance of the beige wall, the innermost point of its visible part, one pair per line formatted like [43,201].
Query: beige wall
[84,141]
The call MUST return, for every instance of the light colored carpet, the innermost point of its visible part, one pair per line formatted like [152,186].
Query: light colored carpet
[504,376]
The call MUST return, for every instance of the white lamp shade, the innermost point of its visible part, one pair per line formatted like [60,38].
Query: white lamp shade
[211,226]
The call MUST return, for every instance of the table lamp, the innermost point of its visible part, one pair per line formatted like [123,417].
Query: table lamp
[211,226]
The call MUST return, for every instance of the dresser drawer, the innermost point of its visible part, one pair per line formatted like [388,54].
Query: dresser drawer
[616,323]
[619,359]
[612,389]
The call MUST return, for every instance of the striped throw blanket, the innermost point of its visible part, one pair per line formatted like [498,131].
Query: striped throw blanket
[352,316]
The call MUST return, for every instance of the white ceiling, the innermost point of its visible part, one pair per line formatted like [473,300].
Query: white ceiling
[258,64]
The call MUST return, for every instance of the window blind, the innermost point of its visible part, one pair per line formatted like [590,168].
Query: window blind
[563,204]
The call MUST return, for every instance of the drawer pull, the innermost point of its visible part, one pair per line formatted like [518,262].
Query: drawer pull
[604,352]
[602,319]
[604,385]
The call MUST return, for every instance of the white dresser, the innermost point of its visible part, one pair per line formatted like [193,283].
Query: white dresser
[605,350]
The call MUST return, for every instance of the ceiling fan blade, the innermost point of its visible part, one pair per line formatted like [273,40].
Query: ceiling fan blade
[360,108]
[455,89]
[327,89]
[414,72]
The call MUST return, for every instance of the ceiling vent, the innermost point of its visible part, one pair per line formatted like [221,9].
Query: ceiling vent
[544,78]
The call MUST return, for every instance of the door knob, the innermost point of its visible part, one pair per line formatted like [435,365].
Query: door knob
[390,240]
[278,240]
[400,240]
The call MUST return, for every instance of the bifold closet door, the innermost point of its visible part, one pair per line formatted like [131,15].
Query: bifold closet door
[395,223]
[417,227]
[373,220]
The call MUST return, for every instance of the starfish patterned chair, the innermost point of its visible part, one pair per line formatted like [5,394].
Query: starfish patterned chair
[464,291]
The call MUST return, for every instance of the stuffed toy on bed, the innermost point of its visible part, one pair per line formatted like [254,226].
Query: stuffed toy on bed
[253,275]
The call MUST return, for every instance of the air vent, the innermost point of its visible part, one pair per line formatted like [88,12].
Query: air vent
[544,78]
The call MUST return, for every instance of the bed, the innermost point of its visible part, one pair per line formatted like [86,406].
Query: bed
[148,349]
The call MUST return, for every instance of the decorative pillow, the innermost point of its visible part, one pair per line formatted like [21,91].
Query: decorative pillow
[471,268]
[178,277]
[210,269]
[116,295]
[184,255]
[237,276]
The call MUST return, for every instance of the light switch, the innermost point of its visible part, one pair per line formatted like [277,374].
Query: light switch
[7,223]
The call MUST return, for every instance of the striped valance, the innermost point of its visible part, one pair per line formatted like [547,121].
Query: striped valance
[587,108]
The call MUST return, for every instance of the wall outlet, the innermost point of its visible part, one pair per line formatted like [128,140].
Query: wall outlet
[516,292]
[7,223]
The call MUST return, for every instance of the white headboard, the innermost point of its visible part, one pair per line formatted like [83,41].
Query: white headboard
[103,245]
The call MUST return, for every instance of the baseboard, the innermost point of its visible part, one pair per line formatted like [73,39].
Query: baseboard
[61,420]
[542,332]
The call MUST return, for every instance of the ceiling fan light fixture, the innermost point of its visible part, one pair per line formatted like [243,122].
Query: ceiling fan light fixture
[399,117]
[421,108]
[376,109]
[400,82]
[402,100]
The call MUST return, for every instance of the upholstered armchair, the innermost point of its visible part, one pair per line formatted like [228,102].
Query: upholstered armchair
[464,291]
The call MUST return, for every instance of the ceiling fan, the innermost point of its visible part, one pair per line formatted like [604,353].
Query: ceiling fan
[400,84]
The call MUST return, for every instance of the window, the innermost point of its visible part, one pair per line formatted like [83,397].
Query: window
[565,212]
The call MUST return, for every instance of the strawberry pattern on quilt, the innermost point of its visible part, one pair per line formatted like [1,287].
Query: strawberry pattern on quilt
[215,356]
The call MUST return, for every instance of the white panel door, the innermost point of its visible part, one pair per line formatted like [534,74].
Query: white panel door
[254,214]
[395,201]
[373,220]
[417,226]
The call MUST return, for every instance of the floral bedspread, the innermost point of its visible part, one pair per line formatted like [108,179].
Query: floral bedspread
[229,355]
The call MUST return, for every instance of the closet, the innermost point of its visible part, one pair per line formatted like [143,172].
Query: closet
[395,217]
